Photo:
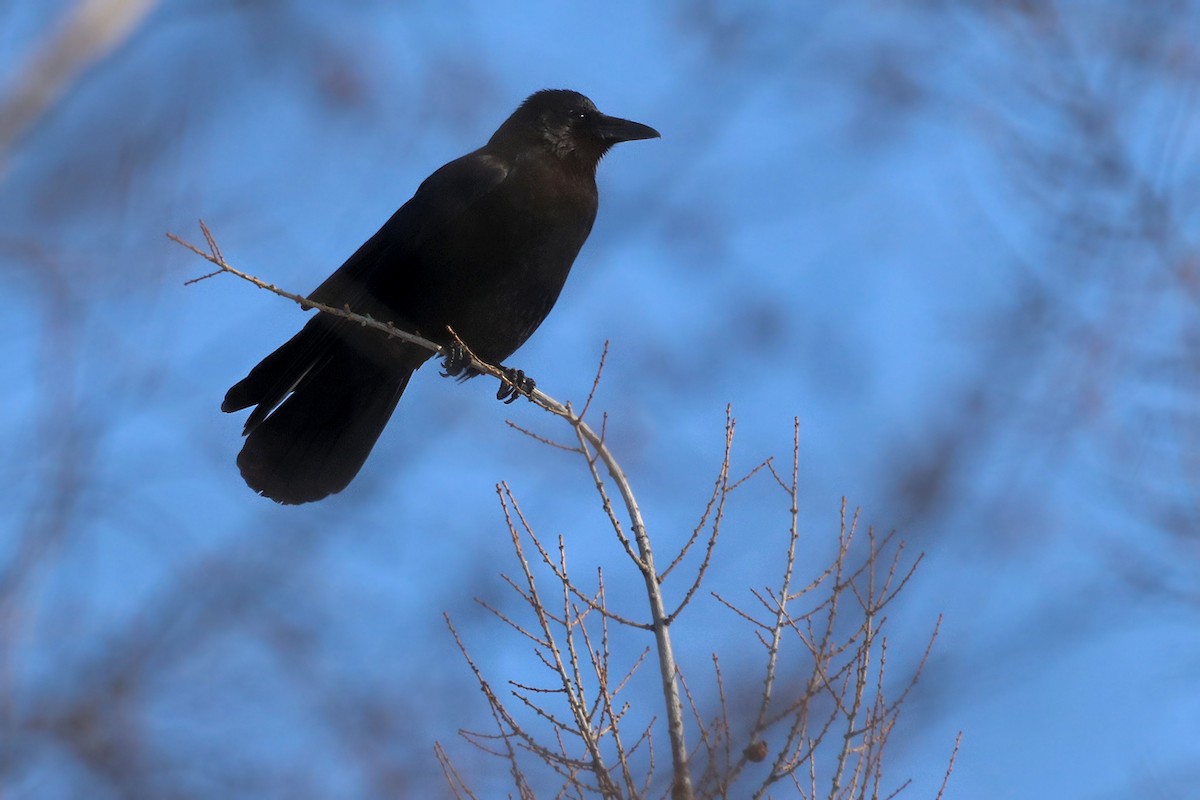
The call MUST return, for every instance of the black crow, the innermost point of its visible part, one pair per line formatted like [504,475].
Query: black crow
[483,247]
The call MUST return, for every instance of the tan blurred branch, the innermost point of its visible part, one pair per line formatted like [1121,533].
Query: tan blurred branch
[87,33]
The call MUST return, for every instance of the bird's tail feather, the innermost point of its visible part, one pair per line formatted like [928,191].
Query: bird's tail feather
[322,399]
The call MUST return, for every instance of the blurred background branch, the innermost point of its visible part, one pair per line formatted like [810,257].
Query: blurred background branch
[87,32]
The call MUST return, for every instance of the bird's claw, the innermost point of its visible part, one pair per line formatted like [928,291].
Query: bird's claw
[515,384]
[457,364]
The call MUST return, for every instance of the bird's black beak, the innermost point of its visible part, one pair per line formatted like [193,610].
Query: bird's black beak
[615,129]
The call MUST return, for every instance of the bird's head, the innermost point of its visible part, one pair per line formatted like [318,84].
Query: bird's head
[568,125]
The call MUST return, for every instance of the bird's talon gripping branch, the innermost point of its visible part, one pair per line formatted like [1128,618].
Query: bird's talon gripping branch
[517,384]
[456,364]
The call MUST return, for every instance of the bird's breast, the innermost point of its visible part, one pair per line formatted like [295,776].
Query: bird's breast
[495,276]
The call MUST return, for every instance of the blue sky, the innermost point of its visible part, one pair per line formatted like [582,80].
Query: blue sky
[883,219]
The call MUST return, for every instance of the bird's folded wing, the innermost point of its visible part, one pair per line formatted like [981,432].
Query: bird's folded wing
[440,199]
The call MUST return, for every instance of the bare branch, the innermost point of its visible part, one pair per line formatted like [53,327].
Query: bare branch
[844,690]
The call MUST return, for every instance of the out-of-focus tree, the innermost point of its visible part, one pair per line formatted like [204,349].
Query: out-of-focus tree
[161,635]
[1089,367]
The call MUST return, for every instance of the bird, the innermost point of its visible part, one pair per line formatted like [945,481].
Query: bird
[483,247]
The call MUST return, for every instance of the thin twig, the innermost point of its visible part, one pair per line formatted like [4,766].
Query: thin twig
[950,766]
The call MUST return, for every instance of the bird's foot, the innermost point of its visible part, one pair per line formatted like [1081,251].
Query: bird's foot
[457,364]
[515,385]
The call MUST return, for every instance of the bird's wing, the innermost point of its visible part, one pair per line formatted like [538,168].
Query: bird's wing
[439,200]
